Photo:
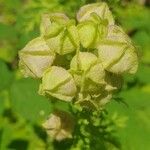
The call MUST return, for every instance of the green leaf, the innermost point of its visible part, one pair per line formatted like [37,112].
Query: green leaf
[134,17]
[3,99]
[143,74]
[142,40]
[136,134]
[6,76]
[7,32]
[19,135]
[6,135]
[7,52]
[26,101]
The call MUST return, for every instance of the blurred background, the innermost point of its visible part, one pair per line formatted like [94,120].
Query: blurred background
[22,109]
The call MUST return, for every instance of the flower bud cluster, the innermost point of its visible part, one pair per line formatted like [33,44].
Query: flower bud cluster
[97,50]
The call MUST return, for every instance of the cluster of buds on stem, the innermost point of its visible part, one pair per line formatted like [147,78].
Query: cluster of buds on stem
[95,53]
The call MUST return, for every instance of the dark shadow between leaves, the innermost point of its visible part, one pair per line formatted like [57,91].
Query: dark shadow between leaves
[18,144]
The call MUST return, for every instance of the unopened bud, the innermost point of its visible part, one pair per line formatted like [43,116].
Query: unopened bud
[60,33]
[52,24]
[101,9]
[117,53]
[58,83]
[92,31]
[90,76]
[59,125]
[35,58]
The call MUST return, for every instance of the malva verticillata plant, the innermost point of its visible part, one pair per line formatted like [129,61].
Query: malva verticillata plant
[81,62]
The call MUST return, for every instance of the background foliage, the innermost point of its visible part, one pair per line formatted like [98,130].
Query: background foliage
[22,110]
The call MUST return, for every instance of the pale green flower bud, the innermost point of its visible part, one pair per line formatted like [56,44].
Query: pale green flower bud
[66,41]
[58,83]
[87,32]
[116,34]
[85,60]
[90,76]
[35,58]
[128,63]
[92,31]
[101,9]
[96,73]
[117,53]
[52,24]
[59,125]
[60,33]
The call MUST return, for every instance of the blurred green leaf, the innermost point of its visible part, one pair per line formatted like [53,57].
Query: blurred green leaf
[5,137]
[8,37]
[7,53]
[7,32]
[134,17]
[142,40]
[26,101]
[19,135]
[2,106]
[137,129]
[143,73]
[6,76]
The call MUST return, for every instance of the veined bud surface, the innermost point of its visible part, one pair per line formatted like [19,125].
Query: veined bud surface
[90,74]
[52,23]
[87,33]
[35,58]
[101,9]
[58,83]
[117,53]
[84,60]
[92,31]
[59,125]
[60,33]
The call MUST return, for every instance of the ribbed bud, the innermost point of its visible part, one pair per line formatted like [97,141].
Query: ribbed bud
[52,23]
[35,58]
[92,31]
[60,33]
[117,53]
[59,125]
[84,61]
[89,76]
[101,9]
[87,32]
[58,83]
